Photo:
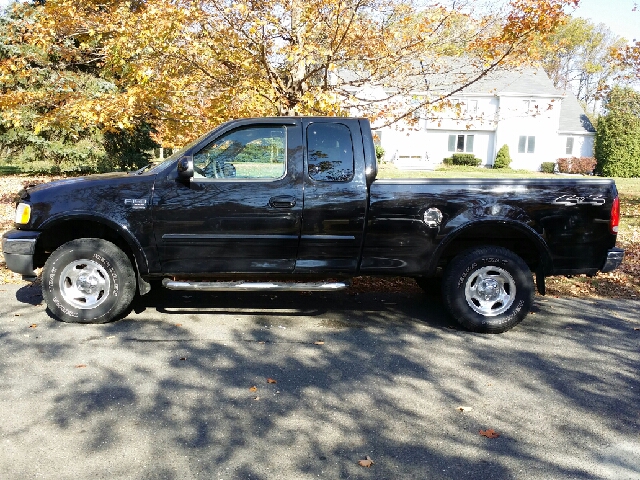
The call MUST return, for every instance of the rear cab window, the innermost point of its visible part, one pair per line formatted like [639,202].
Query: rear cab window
[330,152]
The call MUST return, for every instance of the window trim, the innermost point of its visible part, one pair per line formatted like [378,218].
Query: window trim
[532,106]
[456,139]
[283,127]
[569,146]
[306,153]
[527,144]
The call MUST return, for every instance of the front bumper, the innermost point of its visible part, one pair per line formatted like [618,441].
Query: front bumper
[18,247]
[613,261]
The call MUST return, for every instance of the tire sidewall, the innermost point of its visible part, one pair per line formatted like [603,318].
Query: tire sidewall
[100,254]
[464,267]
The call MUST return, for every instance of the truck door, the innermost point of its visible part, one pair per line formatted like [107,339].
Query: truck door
[335,197]
[242,210]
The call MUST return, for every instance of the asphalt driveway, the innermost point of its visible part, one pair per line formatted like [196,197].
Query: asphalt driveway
[169,393]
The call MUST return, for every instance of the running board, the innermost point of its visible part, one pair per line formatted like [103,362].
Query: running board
[253,286]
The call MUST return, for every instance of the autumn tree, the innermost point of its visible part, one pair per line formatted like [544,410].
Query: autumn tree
[184,66]
[30,87]
[580,59]
[40,81]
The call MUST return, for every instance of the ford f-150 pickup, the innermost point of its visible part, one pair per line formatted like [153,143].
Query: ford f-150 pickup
[293,203]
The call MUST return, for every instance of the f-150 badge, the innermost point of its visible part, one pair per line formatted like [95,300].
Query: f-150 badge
[575,200]
[136,203]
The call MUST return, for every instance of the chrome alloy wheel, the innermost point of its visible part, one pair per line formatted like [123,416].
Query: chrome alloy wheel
[490,291]
[84,284]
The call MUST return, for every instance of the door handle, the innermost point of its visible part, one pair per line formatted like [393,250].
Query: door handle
[282,201]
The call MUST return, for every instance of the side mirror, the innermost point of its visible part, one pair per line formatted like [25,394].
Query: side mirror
[185,168]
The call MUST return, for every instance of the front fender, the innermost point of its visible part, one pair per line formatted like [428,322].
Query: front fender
[121,230]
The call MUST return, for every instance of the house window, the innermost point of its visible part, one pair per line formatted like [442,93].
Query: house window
[461,143]
[467,107]
[569,150]
[527,144]
[472,107]
[530,106]
[377,137]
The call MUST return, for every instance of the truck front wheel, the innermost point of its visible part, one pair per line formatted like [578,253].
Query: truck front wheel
[88,280]
[488,289]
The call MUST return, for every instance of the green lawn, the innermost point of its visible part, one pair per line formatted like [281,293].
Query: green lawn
[626,186]
[388,170]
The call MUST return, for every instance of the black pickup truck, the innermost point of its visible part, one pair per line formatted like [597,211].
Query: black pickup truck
[293,203]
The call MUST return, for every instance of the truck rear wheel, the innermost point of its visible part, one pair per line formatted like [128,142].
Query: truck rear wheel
[88,280]
[488,289]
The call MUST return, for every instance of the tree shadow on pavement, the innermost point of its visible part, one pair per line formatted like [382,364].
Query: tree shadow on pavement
[185,394]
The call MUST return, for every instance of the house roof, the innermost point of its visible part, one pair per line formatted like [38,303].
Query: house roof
[500,82]
[524,80]
[572,117]
[529,81]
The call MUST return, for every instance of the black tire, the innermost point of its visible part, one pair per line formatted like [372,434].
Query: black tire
[88,280]
[488,289]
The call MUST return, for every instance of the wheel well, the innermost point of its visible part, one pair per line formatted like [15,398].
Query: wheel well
[496,235]
[63,232]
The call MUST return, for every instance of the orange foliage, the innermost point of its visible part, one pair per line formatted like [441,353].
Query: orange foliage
[187,65]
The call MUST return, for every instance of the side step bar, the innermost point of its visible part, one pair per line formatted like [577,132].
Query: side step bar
[253,286]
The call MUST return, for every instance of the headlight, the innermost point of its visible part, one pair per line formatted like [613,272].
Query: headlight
[23,213]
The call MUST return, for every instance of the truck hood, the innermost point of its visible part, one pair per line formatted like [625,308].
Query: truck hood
[75,182]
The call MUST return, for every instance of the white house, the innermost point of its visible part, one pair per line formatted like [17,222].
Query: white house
[521,109]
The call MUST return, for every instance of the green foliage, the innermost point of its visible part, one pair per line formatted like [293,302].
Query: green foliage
[617,146]
[379,153]
[503,158]
[52,151]
[265,150]
[33,138]
[468,159]
[548,167]
[127,149]
[24,143]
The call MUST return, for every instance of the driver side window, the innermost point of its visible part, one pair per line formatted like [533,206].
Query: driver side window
[256,152]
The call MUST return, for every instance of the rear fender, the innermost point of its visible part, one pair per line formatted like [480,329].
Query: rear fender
[516,221]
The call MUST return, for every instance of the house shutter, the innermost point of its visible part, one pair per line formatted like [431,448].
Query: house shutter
[522,144]
[469,144]
[452,143]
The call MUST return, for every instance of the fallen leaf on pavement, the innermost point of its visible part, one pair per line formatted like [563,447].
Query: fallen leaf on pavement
[489,433]
[367,462]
